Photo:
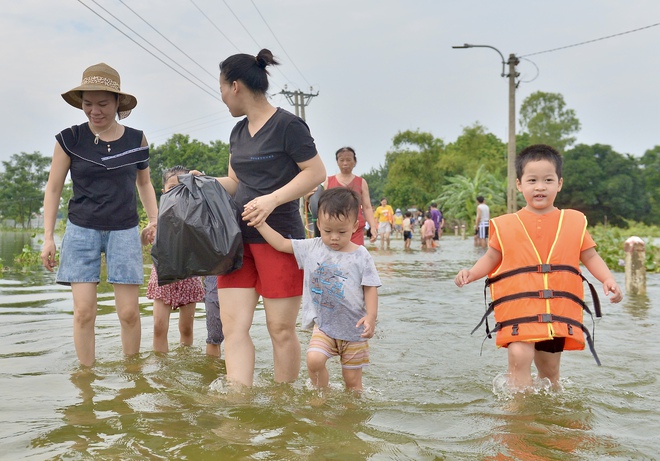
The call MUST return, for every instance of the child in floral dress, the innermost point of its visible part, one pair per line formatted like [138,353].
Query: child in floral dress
[182,295]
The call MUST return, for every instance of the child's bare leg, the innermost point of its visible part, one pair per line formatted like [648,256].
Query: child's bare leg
[547,364]
[317,370]
[352,378]
[161,325]
[186,319]
[521,356]
[213,350]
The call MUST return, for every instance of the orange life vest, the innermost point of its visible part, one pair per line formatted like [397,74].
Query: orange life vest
[533,299]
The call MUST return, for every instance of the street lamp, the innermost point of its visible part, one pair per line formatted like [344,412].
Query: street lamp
[511,204]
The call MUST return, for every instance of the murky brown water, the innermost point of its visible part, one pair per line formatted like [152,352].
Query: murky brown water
[429,393]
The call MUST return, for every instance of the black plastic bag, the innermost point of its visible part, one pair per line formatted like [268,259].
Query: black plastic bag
[198,231]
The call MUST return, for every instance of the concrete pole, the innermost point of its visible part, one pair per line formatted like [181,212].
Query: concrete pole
[635,251]
[511,205]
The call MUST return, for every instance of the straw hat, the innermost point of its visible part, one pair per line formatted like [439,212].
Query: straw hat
[101,77]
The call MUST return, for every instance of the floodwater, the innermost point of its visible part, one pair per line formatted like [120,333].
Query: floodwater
[432,392]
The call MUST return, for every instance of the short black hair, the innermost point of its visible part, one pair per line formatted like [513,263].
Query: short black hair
[339,202]
[537,152]
[480,198]
[174,171]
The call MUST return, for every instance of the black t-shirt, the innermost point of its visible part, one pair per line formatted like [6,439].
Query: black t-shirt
[103,182]
[268,161]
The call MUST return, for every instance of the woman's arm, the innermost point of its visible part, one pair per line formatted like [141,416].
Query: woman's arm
[312,173]
[59,168]
[369,211]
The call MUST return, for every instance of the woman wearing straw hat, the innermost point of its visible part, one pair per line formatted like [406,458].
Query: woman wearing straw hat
[106,161]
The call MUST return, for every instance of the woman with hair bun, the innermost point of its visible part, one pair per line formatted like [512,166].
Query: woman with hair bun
[273,162]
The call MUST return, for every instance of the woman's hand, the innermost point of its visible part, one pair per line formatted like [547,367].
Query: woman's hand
[258,209]
[48,252]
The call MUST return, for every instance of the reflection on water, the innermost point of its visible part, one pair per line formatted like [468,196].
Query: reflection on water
[430,393]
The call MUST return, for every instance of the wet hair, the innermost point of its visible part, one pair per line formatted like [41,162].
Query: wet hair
[174,171]
[480,199]
[339,202]
[346,149]
[251,70]
[434,205]
[408,214]
[535,153]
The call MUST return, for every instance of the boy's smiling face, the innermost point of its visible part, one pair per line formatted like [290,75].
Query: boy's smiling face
[539,185]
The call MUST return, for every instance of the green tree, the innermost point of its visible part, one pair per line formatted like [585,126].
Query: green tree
[412,174]
[603,184]
[547,120]
[212,159]
[458,198]
[474,148]
[21,186]
[650,163]
[376,179]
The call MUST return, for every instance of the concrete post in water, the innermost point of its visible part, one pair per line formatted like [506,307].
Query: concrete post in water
[455,230]
[463,231]
[635,251]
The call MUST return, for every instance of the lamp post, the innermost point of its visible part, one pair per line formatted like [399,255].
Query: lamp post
[511,204]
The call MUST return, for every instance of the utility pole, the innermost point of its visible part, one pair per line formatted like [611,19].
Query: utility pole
[299,100]
[511,202]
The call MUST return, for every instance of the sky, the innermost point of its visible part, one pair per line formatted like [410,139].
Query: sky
[379,66]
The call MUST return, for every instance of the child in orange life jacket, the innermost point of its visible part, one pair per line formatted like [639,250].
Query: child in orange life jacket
[539,236]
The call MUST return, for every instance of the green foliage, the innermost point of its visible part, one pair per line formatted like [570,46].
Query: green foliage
[458,199]
[376,179]
[212,159]
[604,185]
[650,163]
[413,178]
[29,258]
[21,186]
[545,117]
[610,241]
[473,149]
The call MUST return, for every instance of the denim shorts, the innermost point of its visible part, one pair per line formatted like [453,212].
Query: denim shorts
[80,256]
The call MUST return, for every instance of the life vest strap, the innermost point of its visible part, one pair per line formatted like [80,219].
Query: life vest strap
[549,318]
[542,294]
[545,269]
[539,268]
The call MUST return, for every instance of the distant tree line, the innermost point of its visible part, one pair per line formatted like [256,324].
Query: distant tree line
[607,186]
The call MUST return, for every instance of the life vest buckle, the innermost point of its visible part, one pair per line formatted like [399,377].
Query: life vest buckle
[544,268]
[545,318]
[546,294]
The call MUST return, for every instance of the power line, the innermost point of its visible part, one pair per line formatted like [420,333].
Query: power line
[168,40]
[141,46]
[279,43]
[213,24]
[591,41]
[242,25]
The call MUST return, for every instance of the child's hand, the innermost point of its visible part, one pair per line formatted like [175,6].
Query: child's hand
[369,326]
[148,235]
[611,287]
[462,278]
